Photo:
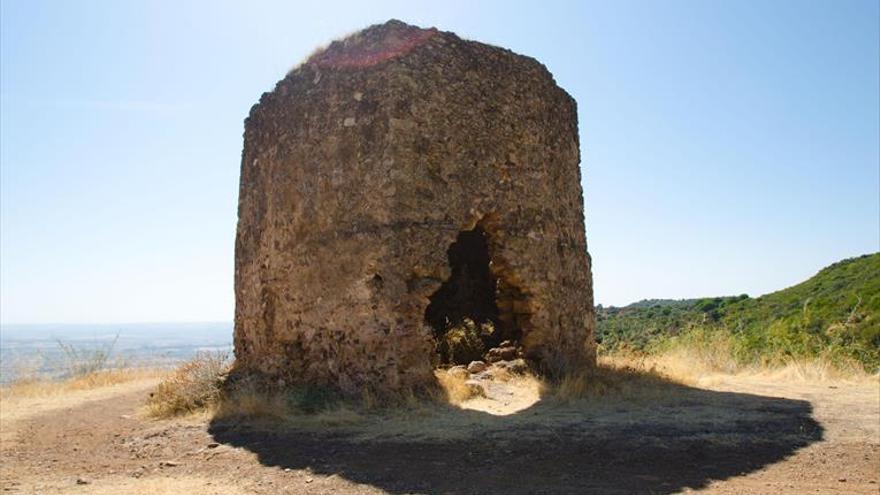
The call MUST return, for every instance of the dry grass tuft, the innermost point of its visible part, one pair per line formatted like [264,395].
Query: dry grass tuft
[617,378]
[84,361]
[814,369]
[819,370]
[194,386]
[251,401]
[453,387]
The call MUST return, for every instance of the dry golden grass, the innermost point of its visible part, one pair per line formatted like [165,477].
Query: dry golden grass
[703,353]
[35,387]
[199,386]
[27,399]
[818,369]
[684,365]
[617,380]
[247,400]
[193,386]
[455,390]
[612,379]
[250,402]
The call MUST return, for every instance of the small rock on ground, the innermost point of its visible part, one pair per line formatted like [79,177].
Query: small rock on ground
[476,367]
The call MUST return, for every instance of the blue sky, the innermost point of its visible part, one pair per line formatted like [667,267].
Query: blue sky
[727,147]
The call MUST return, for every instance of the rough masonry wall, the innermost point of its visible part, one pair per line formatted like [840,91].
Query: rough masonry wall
[360,170]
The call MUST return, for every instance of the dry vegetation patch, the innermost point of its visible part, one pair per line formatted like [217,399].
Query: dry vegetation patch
[462,405]
[193,386]
[36,387]
[699,366]
[612,380]
[454,387]
[202,384]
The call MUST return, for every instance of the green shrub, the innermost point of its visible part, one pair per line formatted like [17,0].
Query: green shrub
[463,343]
[834,315]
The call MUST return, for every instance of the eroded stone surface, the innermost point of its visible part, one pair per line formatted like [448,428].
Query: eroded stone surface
[364,166]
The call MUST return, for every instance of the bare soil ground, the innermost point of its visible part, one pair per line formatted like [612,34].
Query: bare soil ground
[730,434]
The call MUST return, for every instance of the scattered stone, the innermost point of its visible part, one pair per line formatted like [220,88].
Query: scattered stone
[501,353]
[82,481]
[169,463]
[348,122]
[476,367]
[309,480]
[213,445]
[486,374]
[493,356]
[517,366]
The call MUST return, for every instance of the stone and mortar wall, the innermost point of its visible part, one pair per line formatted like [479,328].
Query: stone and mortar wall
[358,172]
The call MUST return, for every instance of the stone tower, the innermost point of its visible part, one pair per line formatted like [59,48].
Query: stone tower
[398,182]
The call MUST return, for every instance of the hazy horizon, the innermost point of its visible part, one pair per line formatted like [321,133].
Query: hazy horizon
[727,148]
[230,321]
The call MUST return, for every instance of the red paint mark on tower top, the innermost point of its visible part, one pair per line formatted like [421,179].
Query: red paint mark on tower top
[373,46]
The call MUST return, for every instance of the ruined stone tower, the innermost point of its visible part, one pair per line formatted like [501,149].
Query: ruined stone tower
[398,182]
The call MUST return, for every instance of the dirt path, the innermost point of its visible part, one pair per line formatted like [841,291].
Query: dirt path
[743,436]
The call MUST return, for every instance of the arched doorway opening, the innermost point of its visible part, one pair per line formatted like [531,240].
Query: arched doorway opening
[474,311]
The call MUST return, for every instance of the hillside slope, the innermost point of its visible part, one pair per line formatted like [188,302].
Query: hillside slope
[835,313]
